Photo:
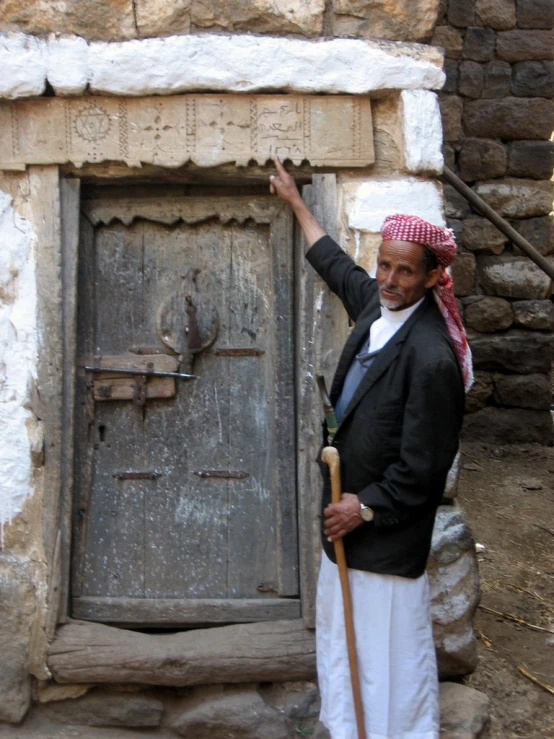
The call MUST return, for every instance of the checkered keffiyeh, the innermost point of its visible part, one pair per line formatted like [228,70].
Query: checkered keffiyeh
[440,241]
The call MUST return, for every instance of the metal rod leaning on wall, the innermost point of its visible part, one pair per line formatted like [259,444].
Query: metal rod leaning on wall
[502,225]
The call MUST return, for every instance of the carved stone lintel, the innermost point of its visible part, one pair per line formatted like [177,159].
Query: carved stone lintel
[207,130]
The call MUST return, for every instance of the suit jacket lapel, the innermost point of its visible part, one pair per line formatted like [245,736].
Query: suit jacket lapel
[384,359]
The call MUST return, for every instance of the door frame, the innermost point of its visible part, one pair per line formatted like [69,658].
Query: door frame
[321,330]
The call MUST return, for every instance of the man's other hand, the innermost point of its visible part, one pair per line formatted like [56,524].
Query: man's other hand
[283,185]
[343,517]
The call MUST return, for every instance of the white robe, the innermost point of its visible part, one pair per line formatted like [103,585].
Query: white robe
[396,656]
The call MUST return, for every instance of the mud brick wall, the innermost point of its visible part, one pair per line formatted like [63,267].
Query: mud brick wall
[498,117]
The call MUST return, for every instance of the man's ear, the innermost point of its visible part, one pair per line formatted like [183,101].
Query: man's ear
[433,277]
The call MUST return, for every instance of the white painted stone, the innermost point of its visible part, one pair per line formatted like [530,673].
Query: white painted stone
[67,64]
[22,66]
[176,64]
[422,128]
[18,353]
[367,204]
[238,63]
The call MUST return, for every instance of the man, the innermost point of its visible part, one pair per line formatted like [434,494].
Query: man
[399,398]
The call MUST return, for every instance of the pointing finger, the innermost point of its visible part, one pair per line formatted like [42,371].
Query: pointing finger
[278,166]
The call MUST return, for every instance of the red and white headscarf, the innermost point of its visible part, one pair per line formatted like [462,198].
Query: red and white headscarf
[440,241]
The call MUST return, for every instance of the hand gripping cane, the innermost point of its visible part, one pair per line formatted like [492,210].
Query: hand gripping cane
[330,456]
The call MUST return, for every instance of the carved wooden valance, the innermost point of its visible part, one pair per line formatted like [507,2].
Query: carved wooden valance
[207,130]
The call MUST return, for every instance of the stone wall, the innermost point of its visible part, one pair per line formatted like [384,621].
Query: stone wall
[498,116]
[118,20]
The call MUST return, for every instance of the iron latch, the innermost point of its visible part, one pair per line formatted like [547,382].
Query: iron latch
[143,372]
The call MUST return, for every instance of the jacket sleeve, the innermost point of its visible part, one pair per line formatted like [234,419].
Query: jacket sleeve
[351,283]
[429,441]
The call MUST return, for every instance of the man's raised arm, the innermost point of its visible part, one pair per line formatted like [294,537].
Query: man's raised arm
[284,186]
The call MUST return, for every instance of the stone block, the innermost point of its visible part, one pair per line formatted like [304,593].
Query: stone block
[480,393]
[297,701]
[387,134]
[111,20]
[463,274]
[452,75]
[23,66]
[464,711]
[524,352]
[533,159]
[259,16]
[67,64]
[366,203]
[534,314]
[455,205]
[509,426]
[488,315]
[177,64]
[422,131]
[511,118]
[449,39]
[539,232]
[471,79]
[105,708]
[523,391]
[213,713]
[498,79]
[481,236]
[387,19]
[451,107]
[513,277]
[454,583]
[17,612]
[535,13]
[457,227]
[533,79]
[49,691]
[497,14]
[517,198]
[521,46]
[482,159]
[453,478]
[479,44]
[159,18]
[461,12]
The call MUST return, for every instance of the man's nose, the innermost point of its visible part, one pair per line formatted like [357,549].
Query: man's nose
[390,280]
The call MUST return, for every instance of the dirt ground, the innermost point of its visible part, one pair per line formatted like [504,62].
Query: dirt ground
[508,495]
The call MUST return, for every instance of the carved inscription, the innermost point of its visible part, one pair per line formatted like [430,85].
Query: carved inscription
[205,129]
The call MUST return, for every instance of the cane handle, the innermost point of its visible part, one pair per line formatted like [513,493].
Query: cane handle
[330,457]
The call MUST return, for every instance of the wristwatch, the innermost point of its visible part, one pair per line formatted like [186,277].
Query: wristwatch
[366,513]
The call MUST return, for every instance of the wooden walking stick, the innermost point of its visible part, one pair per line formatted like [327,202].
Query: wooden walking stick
[330,456]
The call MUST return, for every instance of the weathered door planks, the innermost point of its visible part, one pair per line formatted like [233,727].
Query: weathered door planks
[182,536]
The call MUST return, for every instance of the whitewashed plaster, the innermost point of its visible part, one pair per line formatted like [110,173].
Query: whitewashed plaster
[67,67]
[18,357]
[238,63]
[367,203]
[22,67]
[422,129]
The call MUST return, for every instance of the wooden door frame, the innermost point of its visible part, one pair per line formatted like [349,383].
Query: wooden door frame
[319,336]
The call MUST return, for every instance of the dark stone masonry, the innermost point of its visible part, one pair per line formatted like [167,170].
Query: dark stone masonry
[498,116]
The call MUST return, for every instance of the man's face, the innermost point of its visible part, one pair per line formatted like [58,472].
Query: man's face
[401,274]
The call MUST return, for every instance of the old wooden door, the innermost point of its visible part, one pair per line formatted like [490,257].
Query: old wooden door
[185,502]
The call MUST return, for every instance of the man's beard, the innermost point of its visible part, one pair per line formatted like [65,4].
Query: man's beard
[389,303]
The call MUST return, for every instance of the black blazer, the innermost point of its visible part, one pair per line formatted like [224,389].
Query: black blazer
[399,434]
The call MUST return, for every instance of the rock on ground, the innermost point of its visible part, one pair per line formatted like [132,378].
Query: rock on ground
[464,712]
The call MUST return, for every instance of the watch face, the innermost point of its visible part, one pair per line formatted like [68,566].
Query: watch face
[366,513]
